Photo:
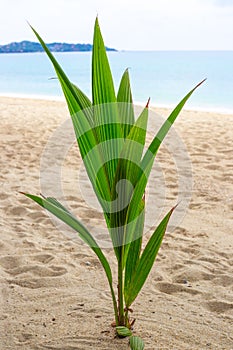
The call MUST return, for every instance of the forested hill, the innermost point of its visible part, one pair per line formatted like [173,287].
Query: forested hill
[30,46]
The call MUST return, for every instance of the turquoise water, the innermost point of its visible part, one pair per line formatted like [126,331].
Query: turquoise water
[165,76]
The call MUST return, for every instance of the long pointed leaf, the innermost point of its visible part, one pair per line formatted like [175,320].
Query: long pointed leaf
[102,83]
[148,159]
[85,104]
[63,214]
[124,180]
[132,150]
[125,104]
[133,249]
[106,119]
[82,118]
[73,100]
[146,261]
[156,142]
[92,157]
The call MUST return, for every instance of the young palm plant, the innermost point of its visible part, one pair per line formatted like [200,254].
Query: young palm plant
[112,145]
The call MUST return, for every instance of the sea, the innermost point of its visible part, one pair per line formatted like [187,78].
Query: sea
[164,76]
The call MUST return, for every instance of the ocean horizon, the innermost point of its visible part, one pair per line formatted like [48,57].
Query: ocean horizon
[164,76]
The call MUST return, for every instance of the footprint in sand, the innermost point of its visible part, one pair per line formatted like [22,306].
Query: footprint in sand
[224,280]
[43,258]
[32,271]
[219,306]
[192,274]
[35,270]
[170,288]
[34,283]
[17,211]
[10,262]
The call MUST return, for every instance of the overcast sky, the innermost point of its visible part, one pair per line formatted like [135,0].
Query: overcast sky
[126,24]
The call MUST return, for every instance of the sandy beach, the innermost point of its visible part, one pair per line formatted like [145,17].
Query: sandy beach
[54,294]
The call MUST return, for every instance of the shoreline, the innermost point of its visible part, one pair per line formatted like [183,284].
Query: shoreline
[218,110]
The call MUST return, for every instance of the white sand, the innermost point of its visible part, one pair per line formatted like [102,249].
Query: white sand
[54,293]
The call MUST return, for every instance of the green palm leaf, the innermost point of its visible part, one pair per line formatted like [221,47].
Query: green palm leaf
[82,118]
[63,214]
[124,181]
[125,104]
[102,83]
[156,142]
[85,104]
[74,100]
[133,248]
[106,120]
[148,159]
[146,261]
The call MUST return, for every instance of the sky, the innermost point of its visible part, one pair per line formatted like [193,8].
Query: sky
[125,24]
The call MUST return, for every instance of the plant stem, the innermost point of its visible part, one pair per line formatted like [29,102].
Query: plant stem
[121,316]
[114,306]
[127,319]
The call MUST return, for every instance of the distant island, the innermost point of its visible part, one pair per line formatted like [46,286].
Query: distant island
[30,46]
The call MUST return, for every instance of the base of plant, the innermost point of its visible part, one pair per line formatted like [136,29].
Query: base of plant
[129,324]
